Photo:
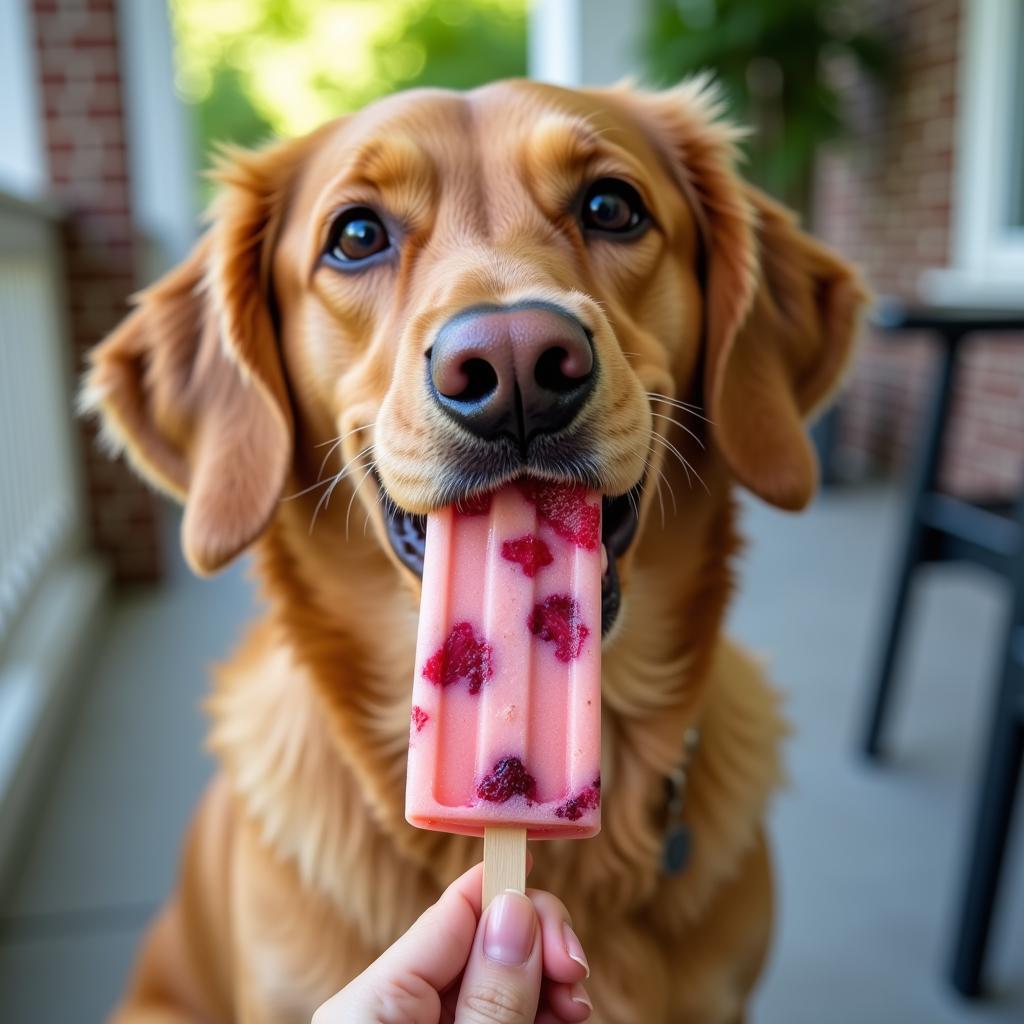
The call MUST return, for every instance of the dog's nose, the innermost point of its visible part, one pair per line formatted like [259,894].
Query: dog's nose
[515,371]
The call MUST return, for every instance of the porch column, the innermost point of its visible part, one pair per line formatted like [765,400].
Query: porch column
[586,42]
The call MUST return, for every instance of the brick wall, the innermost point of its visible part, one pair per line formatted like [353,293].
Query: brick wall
[81,90]
[886,202]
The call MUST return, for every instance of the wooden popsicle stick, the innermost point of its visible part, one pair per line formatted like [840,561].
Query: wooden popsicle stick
[504,861]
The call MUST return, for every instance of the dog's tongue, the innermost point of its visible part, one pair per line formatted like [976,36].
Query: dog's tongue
[506,715]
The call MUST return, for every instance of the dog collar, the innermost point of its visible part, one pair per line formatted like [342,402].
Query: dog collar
[677,844]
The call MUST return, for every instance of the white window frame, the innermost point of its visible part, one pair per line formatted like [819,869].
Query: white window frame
[988,255]
[23,170]
[585,42]
[162,162]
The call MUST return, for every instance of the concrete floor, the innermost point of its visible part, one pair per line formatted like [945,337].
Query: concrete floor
[869,859]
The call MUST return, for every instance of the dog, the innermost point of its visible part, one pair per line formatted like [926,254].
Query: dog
[283,383]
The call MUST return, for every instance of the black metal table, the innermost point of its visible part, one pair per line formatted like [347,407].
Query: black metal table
[938,528]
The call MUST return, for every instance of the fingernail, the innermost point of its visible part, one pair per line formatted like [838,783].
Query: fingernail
[579,995]
[574,947]
[510,928]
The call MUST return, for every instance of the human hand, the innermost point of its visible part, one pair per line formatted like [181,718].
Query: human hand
[518,963]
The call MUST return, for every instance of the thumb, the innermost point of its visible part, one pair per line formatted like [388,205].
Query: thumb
[405,982]
[501,984]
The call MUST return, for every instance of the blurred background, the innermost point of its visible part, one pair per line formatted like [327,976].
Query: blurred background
[896,129]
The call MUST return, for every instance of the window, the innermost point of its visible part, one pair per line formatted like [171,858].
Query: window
[1016,206]
[988,227]
[22,158]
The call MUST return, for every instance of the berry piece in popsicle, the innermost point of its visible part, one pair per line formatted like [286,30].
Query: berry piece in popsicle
[462,656]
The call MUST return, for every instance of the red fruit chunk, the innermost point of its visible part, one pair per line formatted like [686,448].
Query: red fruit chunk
[464,655]
[507,779]
[557,620]
[565,508]
[475,504]
[419,717]
[586,800]
[530,552]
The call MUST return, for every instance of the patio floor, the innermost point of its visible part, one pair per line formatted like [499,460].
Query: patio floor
[869,859]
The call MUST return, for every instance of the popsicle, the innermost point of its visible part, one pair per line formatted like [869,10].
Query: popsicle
[506,713]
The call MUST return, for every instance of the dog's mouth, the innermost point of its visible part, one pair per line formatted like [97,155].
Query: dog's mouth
[407,534]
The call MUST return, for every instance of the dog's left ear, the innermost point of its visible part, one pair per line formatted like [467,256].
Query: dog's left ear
[191,386]
[767,372]
[781,308]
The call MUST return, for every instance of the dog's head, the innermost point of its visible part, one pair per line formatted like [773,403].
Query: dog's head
[458,289]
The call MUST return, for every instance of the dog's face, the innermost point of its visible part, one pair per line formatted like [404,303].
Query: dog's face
[460,289]
[463,277]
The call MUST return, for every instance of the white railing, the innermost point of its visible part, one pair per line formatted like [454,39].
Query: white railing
[52,589]
[41,511]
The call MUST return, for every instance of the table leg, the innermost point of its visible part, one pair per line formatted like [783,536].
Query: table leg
[923,480]
[997,791]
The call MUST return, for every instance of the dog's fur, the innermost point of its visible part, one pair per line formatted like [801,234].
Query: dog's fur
[238,366]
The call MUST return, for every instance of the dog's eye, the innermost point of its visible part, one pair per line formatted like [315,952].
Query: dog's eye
[613,207]
[357,235]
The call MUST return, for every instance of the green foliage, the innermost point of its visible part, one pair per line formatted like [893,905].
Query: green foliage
[227,114]
[457,45]
[255,68]
[783,66]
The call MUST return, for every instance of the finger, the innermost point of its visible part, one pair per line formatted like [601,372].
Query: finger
[548,1016]
[564,958]
[569,1003]
[437,946]
[404,982]
[503,976]
[563,1004]
[469,885]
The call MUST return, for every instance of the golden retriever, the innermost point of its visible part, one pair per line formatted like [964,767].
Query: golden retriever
[298,336]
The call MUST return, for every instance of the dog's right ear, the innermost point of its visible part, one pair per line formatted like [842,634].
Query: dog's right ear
[781,309]
[191,387]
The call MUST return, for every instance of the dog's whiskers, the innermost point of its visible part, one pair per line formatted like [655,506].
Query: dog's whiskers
[672,448]
[687,468]
[355,490]
[657,489]
[692,410]
[671,400]
[632,501]
[325,498]
[672,419]
[664,477]
[687,407]
[383,499]
[331,479]
[661,479]
[338,441]
[311,487]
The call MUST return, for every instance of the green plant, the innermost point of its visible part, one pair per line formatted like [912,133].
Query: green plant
[262,67]
[784,67]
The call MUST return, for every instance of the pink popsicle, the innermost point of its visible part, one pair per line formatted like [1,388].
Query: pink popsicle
[506,715]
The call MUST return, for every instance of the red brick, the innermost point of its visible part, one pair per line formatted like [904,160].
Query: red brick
[887,203]
[80,90]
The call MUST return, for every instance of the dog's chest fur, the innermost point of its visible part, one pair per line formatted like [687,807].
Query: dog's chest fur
[319,775]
